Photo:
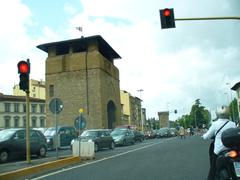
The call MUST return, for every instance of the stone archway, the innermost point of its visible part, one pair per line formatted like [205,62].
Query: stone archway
[111,113]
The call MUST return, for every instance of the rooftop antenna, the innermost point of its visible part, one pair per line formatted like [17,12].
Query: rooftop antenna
[80,29]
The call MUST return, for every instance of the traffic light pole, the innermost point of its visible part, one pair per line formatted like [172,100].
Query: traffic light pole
[208,18]
[27,127]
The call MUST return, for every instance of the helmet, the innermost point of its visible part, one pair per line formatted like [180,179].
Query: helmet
[223,112]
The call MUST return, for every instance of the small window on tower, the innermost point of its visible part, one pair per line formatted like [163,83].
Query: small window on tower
[51,90]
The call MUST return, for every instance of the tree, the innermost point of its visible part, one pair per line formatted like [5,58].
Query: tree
[199,115]
[234,110]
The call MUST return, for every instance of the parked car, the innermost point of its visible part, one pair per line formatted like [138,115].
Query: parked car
[123,136]
[138,135]
[150,135]
[66,135]
[163,132]
[100,137]
[13,143]
[41,129]
[173,132]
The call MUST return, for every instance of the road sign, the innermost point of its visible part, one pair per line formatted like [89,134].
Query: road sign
[80,122]
[56,105]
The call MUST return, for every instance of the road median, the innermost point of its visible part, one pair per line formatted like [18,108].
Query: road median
[18,174]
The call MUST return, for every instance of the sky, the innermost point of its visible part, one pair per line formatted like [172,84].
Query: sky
[173,67]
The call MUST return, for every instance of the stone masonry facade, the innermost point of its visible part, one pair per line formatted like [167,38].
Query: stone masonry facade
[84,79]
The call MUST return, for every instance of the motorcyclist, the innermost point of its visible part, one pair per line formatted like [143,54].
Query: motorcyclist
[215,131]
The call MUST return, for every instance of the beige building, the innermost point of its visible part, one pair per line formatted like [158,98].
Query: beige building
[163,119]
[236,88]
[81,72]
[13,111]
[131,109]
[36,88]
[125,102]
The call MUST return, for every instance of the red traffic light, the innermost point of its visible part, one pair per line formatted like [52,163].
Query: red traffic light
[167,18]
[166,12]
[23,67]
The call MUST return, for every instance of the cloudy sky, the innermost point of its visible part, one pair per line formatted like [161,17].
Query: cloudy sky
[172,66]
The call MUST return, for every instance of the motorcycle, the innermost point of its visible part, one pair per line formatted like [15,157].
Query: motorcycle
[228,161]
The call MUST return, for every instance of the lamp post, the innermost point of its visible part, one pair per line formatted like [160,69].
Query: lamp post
[79,128]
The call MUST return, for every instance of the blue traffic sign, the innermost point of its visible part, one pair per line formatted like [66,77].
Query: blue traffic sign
[56,105]
[80,122]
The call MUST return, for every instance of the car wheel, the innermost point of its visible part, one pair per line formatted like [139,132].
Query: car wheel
[112,145]
[96,147]
[124,142]
[42,152]
[133,142]
[4,156]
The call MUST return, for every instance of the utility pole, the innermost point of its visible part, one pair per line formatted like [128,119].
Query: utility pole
[168,19]
[24,71]
[208,18]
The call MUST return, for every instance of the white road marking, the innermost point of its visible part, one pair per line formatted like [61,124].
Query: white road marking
[100,160]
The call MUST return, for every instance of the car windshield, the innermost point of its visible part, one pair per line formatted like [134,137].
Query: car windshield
[50,132]
[6,134]
[89,133]
[118,132]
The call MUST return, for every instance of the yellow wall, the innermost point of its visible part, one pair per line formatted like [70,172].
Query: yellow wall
[37,89]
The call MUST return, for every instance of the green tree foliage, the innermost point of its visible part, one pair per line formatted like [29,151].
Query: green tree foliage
[153,123]
[199,116]
[234,110]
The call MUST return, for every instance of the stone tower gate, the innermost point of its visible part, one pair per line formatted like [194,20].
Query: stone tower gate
[82,74]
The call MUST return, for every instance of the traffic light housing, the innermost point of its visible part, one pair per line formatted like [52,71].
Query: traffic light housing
[24,70]
[167,18]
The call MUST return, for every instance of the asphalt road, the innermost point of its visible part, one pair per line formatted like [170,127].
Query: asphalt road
[159,159]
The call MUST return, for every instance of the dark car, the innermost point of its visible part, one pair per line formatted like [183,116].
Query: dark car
[150,135]
[138,135]
[100,137]
[123,136]
[65,133]
[163,132]
[13,143]
[173,132]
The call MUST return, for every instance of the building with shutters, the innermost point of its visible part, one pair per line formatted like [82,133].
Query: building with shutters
[13,112]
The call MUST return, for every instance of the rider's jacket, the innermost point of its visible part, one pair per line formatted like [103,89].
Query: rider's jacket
[218,145]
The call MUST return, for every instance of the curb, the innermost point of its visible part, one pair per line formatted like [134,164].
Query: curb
[39,168]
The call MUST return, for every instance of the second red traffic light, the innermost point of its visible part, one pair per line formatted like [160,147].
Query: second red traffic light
[167,18]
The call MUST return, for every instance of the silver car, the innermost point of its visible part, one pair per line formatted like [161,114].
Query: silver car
[123,136]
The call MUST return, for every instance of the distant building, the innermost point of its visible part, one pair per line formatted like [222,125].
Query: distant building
[136,111]
[236,88]
[131,109]
[36,88]
[125,102]
[13,112]
[144,115]
[163,119]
